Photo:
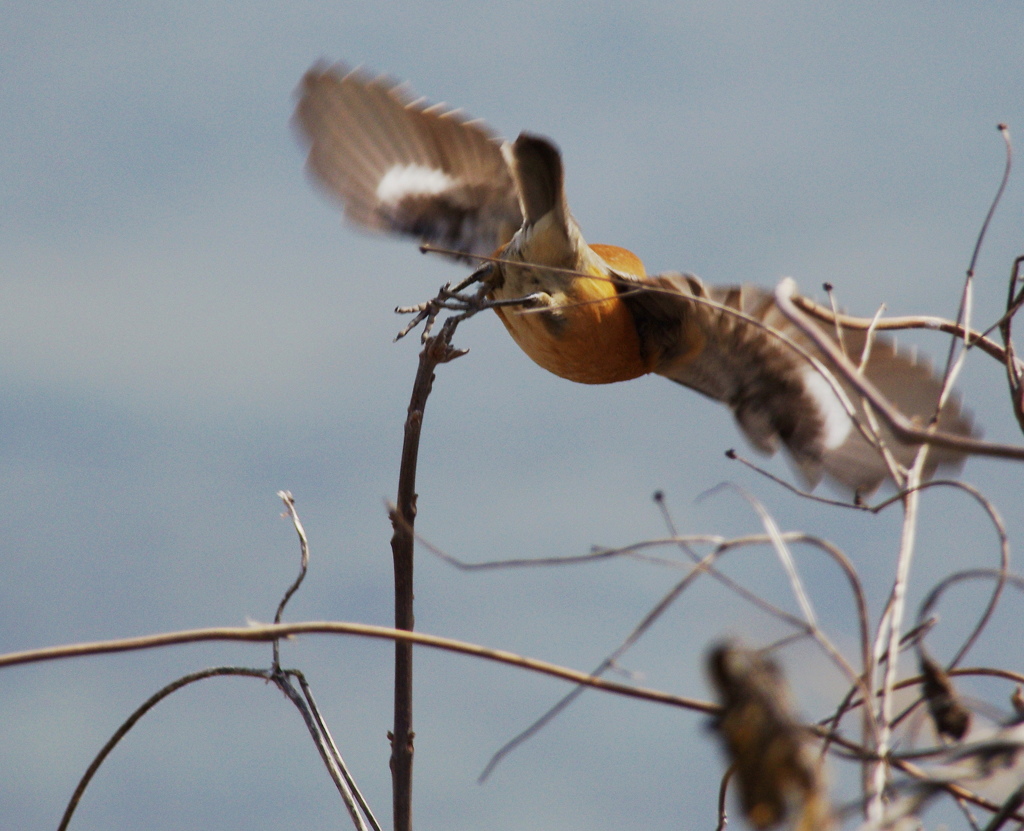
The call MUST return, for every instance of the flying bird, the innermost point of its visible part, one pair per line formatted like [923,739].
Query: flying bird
[399,165]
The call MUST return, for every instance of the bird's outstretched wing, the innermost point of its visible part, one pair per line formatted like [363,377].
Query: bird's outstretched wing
[399,165]
[753,363]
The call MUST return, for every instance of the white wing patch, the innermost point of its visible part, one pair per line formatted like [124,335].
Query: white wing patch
[405,180]
[837,423]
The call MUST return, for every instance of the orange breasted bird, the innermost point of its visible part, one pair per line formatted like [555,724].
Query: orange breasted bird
[399,165]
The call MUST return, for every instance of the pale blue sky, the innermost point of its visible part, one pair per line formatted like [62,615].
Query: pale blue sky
[186,327]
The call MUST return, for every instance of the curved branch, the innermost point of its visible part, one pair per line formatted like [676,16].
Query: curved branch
[903,428]
[133,719]
[973,337]
[261,633]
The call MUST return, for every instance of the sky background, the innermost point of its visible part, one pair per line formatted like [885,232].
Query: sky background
[186,327]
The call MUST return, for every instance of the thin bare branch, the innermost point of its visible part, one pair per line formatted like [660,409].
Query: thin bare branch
[904,429]
[785,557]
[808,626]
[685,542]
[1004,131]
[907,322]
[703,565]
[925,617]
[1001,576]
[852,702]
[1003,571]
[1007,811]
[261,633]
[638,631]
[336,763]
[436,350]
[778,480]
[889,634]
[320,740]
[723,790]
[1014,372]
[837,330]
[133,719]
[291,513]
[955,362]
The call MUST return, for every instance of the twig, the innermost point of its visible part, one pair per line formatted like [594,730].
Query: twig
[1014,372]
[336,761]
[290,512]
[951,788]
[778,480]
[896,470]
[635,551]
[722,545]
[436,350]
[261,633]
[1002,578]
[1010,806]
[808,625]
[771,528]
[1004,131]
[954,361]
[1003,575]
[314,722]
[892,625]
[852,702]
[354,802]
[829,290]
[975,338]
[685,542]
[638,631]
[723,790]
[965,809]
[327,754]
[133,719]
[925,618]
[904,429]
[449,299]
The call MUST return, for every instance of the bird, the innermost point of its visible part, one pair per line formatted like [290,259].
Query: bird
[590,312]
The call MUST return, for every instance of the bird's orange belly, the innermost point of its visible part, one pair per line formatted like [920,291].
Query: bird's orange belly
[590,341]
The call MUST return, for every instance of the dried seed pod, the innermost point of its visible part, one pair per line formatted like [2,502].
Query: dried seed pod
[949,715]
[1017,702]
[778,776]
